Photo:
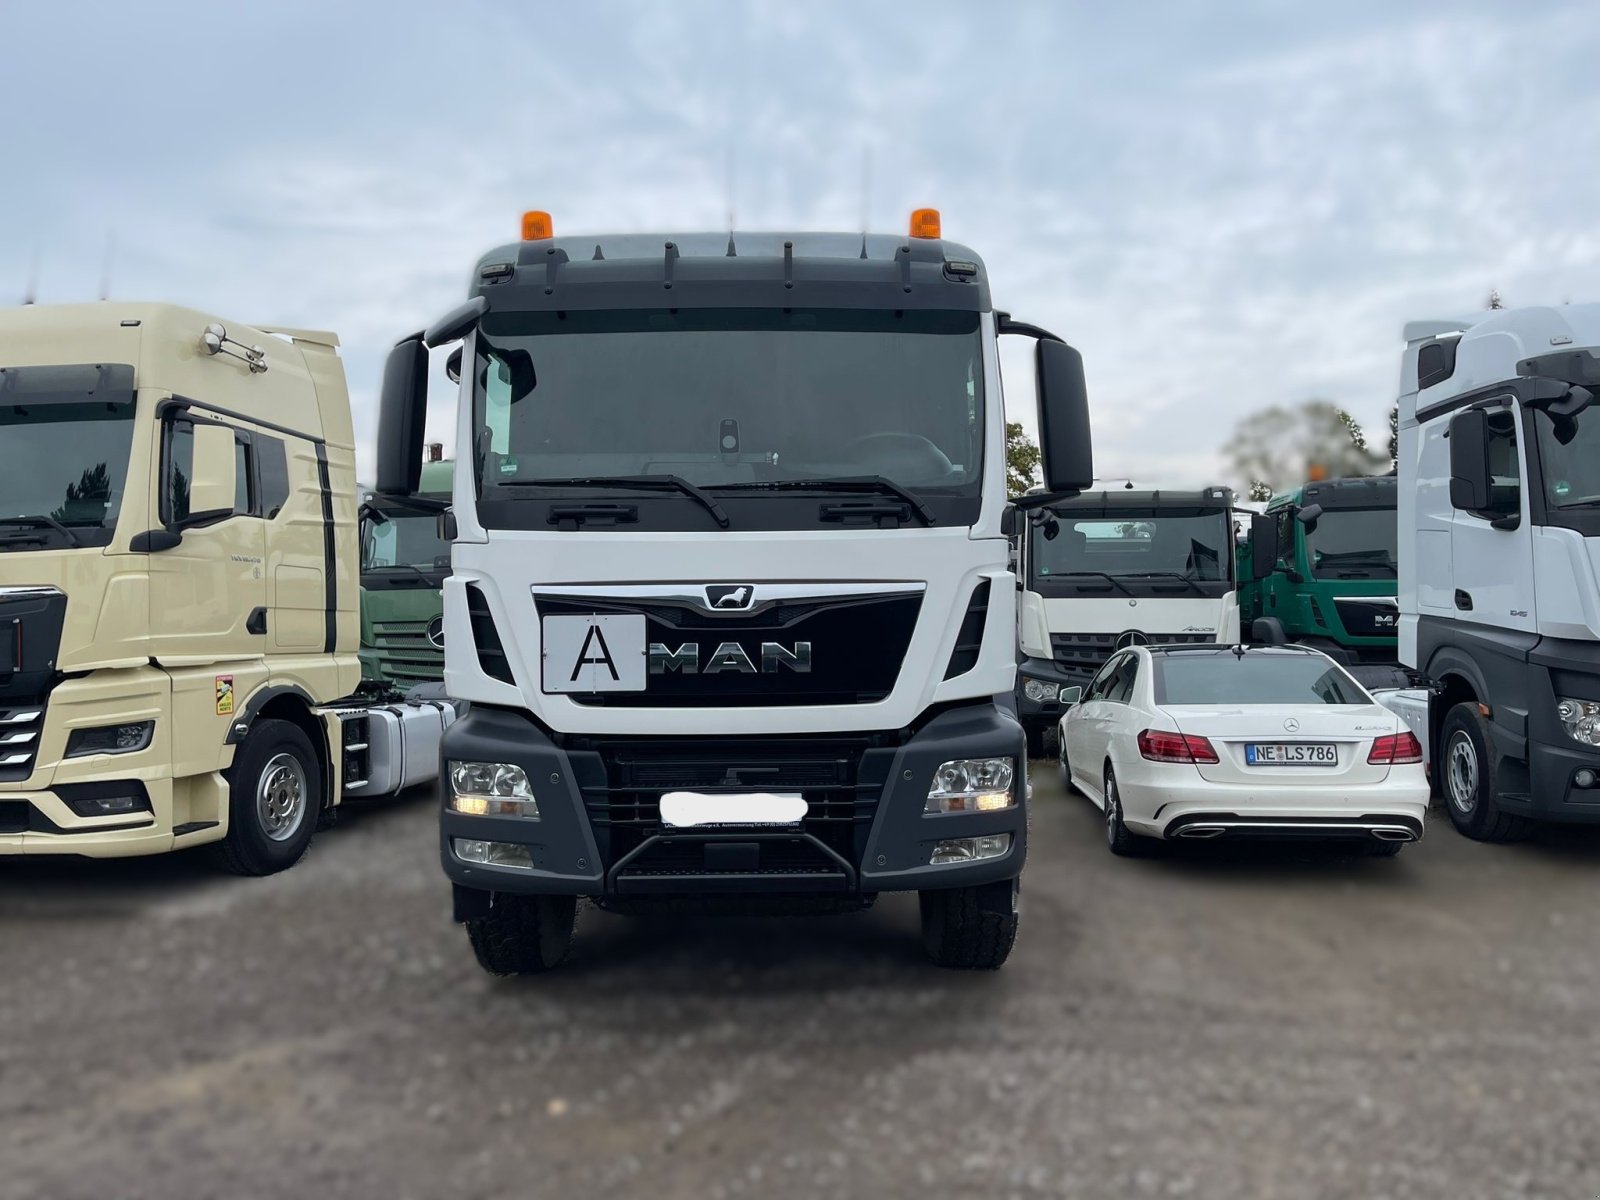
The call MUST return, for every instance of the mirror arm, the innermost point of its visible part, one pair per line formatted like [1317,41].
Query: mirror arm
[456,323]
[1003,324]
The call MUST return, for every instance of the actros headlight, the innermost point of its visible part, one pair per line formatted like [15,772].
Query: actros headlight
[1581,718]
[972,785]
[491,790]
[1039,691]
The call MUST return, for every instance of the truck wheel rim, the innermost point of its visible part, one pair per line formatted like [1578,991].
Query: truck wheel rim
[281,797]
[1461,774]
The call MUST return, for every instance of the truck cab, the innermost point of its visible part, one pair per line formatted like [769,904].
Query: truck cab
[729,596]
[1119,565]
[403,565]
[1500,560]
[1334,566]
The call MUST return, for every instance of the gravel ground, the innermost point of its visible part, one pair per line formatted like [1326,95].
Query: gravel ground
[1211,1023]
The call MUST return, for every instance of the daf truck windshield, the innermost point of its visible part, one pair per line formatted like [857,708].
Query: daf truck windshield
[769,407]
[1354,543]
[1172,549]
[63,467]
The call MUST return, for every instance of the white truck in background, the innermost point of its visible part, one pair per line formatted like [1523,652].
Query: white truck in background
[1119,565]
[1499,586]
[179,591]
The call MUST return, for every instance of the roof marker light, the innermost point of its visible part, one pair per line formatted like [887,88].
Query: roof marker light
[925,223]
[536,226]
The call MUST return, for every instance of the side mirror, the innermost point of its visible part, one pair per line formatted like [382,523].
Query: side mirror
[1263,545]
[211,490]
[402,414]
[1309,516]
[1071,695]
[1064,439]
[452,365]
[1009,521]
[1469,461]
[1268,631]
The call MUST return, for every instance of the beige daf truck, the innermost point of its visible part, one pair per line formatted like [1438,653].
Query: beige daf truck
[179,591]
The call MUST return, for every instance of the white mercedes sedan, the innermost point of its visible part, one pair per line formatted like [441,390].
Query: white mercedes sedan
[1236,741]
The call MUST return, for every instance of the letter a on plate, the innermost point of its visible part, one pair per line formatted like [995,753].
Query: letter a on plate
[599,653]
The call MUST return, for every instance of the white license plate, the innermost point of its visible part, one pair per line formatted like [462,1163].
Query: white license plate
[599,653]
[1291,754]
[696,810]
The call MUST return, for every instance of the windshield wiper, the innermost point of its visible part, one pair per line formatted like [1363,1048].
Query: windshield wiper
[423,575]
[1111,579]
[43,522]
[853,483]
[1167,575]
[667,483]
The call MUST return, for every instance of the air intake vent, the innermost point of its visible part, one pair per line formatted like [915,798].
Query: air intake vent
[969,640]
[1316,612]
[491,653]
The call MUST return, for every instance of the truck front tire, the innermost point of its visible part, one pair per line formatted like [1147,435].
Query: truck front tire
[274,800]
[524,935]
[1467,777]
[971,928]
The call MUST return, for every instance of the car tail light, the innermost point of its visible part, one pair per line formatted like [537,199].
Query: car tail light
[1396,748]
[1159,746]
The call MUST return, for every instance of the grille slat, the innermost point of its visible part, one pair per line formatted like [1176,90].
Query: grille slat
[1086,653]
[21,726]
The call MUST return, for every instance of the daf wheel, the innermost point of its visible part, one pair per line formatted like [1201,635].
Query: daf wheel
[1467,779]
[274,799]
[524,935]
[971,928]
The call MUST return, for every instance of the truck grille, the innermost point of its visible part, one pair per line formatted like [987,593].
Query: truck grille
[623,800]
[21,726]
[1083,654]
[405,654]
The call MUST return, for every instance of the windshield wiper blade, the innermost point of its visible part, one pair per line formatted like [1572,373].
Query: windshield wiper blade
[43,522]
[1111,579]
[673,483]
[1167,575]
[852,483]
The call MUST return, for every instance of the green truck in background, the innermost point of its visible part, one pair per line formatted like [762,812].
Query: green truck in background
[403,565]
[1335,572]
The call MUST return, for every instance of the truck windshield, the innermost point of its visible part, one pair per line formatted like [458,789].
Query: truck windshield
[1354,543]
[729,398]
[63,466]
[1229,678]
[1569,458]
[403,541]
[1147,543]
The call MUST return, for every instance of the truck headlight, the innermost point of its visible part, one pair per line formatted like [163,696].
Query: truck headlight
[492,854]
[110,739]
[973,849]
[1581,719]
[1039,691]
[491,790]
[972,785]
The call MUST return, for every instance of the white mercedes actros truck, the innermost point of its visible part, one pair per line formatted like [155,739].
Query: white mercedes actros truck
[729,594]
[1119,565]
[1500,561]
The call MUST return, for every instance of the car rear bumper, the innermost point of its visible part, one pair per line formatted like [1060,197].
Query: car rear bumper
[1164,808]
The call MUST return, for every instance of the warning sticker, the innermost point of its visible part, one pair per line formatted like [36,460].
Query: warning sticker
[224,695]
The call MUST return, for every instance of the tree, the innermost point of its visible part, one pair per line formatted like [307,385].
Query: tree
[1394,434]
[1022,459]
[92,490]
[1282,446]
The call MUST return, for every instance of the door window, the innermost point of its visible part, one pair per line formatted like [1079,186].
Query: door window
[1119,688]
[1097,687]
[1505,464]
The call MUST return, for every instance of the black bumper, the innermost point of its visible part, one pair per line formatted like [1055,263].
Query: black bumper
[1555,793]
[599,831]
[1042,713]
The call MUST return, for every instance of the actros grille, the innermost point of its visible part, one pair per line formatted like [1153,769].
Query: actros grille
[1085,653]
[405,653]
[21,726]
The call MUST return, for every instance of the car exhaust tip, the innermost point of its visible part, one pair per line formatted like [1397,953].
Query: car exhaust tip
[1202,831]
[1394,834]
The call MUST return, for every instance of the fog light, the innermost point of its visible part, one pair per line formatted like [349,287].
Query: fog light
[1584,778]
[972,849]
[491,790]
[1039,691]
[492,854]
[126,738]
[972,785]
[1581,719]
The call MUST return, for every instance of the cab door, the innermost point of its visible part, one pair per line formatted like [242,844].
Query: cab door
[208,589]
[1493,568]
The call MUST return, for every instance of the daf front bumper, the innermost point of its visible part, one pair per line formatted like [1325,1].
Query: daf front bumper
[599,832]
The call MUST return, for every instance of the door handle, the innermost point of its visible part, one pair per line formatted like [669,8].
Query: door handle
[256,622]
[1463,600]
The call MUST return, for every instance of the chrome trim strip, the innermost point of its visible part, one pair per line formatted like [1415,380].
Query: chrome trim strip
[1379,601]
[7,593]
[22,718]
[693,595]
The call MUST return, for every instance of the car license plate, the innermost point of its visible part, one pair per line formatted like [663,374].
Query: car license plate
[600,653]
[1291,754]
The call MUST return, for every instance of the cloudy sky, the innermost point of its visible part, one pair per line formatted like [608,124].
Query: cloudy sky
[1222,206]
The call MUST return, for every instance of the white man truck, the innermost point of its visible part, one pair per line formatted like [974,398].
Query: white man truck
[178,590]
[1119,565]
[729,594]
[1499,515]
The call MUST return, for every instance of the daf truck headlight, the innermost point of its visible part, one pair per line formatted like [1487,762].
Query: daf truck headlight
[972,785]
[1581,719]
[491,790]
[1039,691]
